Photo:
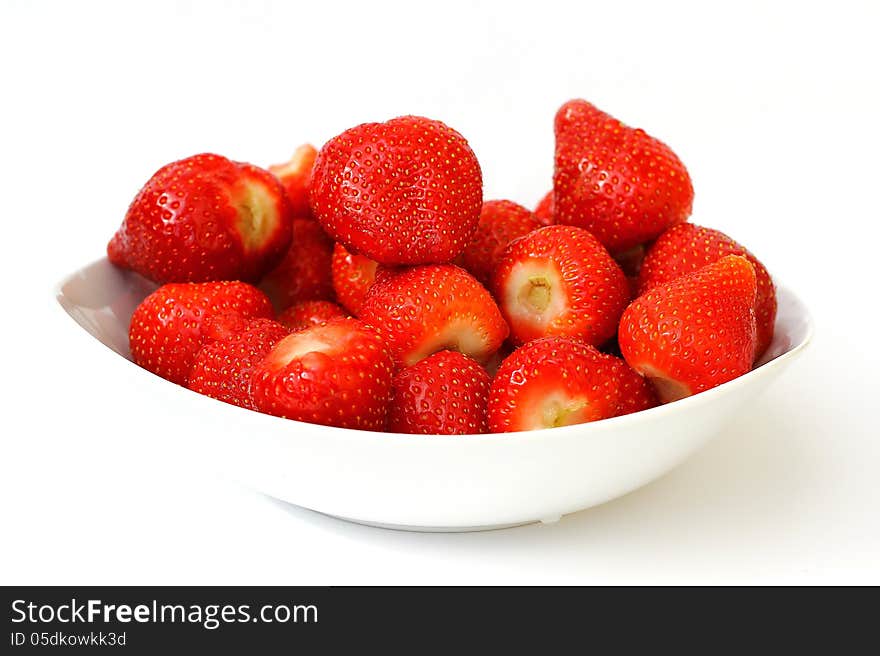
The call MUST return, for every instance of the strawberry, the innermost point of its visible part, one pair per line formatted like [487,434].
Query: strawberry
[407,191]
[310,313]
[688,247]
[544,210]
[618,182]
[222,325]
[636,393]
[204,218]
[353,275]
[224,366]
[386,273]
[630,260]
[165,334]
[294,175]
[491,365]
[501,221]
[695,332]
[444,394]
[336,374]
[304,273]
[430,308]
[559,280]
[557,381]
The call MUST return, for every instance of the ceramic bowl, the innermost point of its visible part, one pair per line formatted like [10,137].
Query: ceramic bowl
[445,482]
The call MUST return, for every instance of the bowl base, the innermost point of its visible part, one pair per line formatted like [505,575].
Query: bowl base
[446,529]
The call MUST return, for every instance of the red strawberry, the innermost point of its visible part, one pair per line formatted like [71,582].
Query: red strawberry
[560,280]
[491,365]
[688,247]
[544,210]
[501,221]
[444,394]
[223,326]
[353,275]
[336,374]
[619,183]
[223,367]
[304,273]
[386,272]
[165,334]
[310,313]
[636,393]
[426,309]
[695,332]
[294,175]
[403,192]
[557,381]
[630,260]
[204,218]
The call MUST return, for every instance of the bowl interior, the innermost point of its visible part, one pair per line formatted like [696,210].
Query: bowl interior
[101,298]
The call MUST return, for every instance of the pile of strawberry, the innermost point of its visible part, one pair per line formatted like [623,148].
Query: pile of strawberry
[369,286]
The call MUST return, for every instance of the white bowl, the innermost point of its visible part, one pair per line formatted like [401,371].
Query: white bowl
[447,482]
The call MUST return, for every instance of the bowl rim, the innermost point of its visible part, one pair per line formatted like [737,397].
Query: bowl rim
[583,431]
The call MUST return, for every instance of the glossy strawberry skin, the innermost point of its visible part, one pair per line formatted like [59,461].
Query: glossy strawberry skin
[619,183]
[336,374]
[310,313]
[223,367]
[223,325]
[403,192]
[501,221]
[559,280]
[204,218]
[304,274]
[695,332]
[353,275]
[544,210]
[165,334]
[425,309]
[557,381]
[294,175]
[687,248]
[444,394]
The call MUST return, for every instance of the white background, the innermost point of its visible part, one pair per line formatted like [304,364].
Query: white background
[774,107]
